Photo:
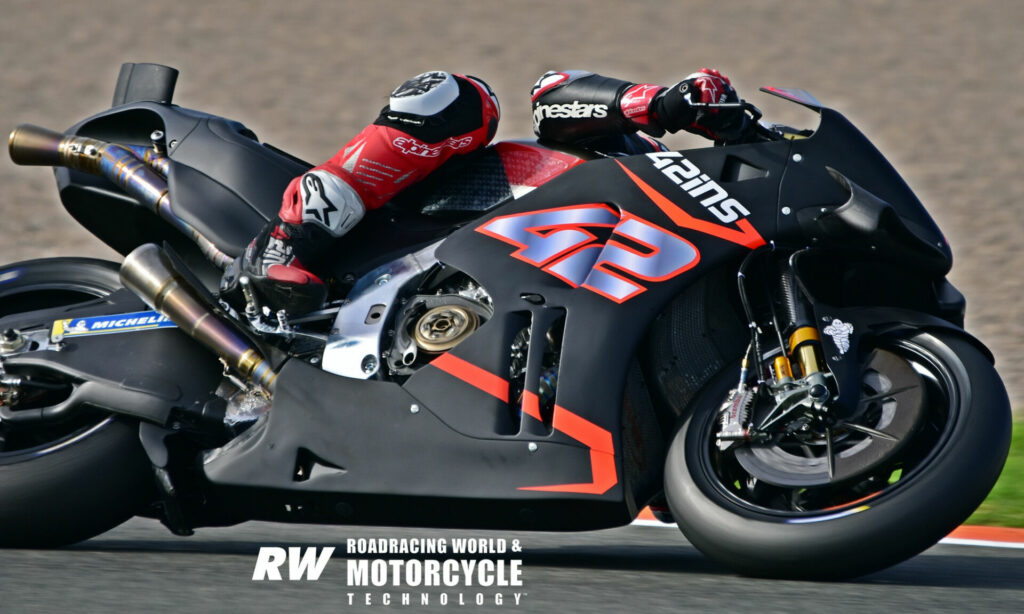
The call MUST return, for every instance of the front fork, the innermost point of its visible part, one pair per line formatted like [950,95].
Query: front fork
[794,374]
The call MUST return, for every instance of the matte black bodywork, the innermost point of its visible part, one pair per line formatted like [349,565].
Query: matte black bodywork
[380,446]
[224,182]
[147,374]
[446,447]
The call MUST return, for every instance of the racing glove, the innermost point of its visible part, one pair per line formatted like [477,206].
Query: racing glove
[674,111]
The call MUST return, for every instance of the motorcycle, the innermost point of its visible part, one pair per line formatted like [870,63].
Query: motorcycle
[756,339]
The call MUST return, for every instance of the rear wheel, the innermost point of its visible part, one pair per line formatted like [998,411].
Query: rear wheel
[921,452]
[62,482]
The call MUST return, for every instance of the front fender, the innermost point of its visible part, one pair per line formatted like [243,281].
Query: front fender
[845,330]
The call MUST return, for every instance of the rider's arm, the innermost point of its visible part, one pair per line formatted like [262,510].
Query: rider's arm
[573,106]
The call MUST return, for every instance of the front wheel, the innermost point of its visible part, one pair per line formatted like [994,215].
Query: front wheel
[934,392]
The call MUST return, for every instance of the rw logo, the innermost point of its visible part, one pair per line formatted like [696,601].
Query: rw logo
[562,242]
[303,563]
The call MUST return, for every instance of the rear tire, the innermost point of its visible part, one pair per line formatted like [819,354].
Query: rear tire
[66,482]
[82,487]
[952,463]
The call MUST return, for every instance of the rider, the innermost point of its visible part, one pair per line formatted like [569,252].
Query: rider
[437,115]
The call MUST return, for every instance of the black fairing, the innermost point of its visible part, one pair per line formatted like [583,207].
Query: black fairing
[809,184]
[222,180]
[371,449]
[380,444]
[460,429]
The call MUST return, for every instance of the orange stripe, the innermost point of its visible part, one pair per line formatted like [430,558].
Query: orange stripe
[602,454]
[746,236]
[583,430]
[473,375]
[646,514]
[531,405]
[991,534]
[603,471]
[602,447]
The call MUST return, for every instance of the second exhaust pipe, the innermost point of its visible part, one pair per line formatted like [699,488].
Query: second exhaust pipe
[148,273]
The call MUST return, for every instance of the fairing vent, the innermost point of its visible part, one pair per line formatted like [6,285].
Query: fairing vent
[696,336]
[643,440]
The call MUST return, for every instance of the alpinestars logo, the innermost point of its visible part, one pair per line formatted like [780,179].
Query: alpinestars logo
[416,148]
[710,87]
[561,243]
[637,100]
[318,206]
[573,110]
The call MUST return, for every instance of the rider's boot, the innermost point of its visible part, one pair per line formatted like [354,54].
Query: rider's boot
[274,271]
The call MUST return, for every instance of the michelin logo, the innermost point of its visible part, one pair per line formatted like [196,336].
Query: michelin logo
[104,325]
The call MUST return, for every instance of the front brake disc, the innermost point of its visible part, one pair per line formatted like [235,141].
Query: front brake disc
[889,411]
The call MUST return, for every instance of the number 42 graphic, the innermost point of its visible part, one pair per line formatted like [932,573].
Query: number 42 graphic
[560,242]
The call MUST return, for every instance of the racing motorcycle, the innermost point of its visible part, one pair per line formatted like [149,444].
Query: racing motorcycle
[756,339]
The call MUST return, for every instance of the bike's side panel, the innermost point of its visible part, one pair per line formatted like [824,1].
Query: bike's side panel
[601,330]
[338,447]
[222,180]
[163,369]
[455,431]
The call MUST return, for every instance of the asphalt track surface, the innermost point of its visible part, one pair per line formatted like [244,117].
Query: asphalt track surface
[140,567]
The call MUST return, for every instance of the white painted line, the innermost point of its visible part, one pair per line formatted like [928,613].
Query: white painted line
[652,523]
[982,543]
[946,541]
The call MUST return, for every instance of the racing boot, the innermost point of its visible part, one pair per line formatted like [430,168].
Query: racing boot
[275,273]
[316,208]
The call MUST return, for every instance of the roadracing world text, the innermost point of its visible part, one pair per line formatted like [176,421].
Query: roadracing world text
[407,571]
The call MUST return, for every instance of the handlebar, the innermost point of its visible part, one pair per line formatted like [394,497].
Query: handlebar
[743,105]
[752,130]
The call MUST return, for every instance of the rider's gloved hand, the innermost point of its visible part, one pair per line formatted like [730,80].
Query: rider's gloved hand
[673,110]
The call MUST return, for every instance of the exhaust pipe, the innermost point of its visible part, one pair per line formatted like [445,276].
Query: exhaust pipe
[130,168]
[148,273]
[35,146]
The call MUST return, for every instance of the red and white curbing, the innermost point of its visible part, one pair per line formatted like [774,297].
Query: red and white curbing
[966,535]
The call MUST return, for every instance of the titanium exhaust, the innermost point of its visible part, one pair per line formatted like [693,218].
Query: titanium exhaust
[148,273]
[136,170]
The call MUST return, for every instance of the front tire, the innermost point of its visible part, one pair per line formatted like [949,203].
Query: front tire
[941,477]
